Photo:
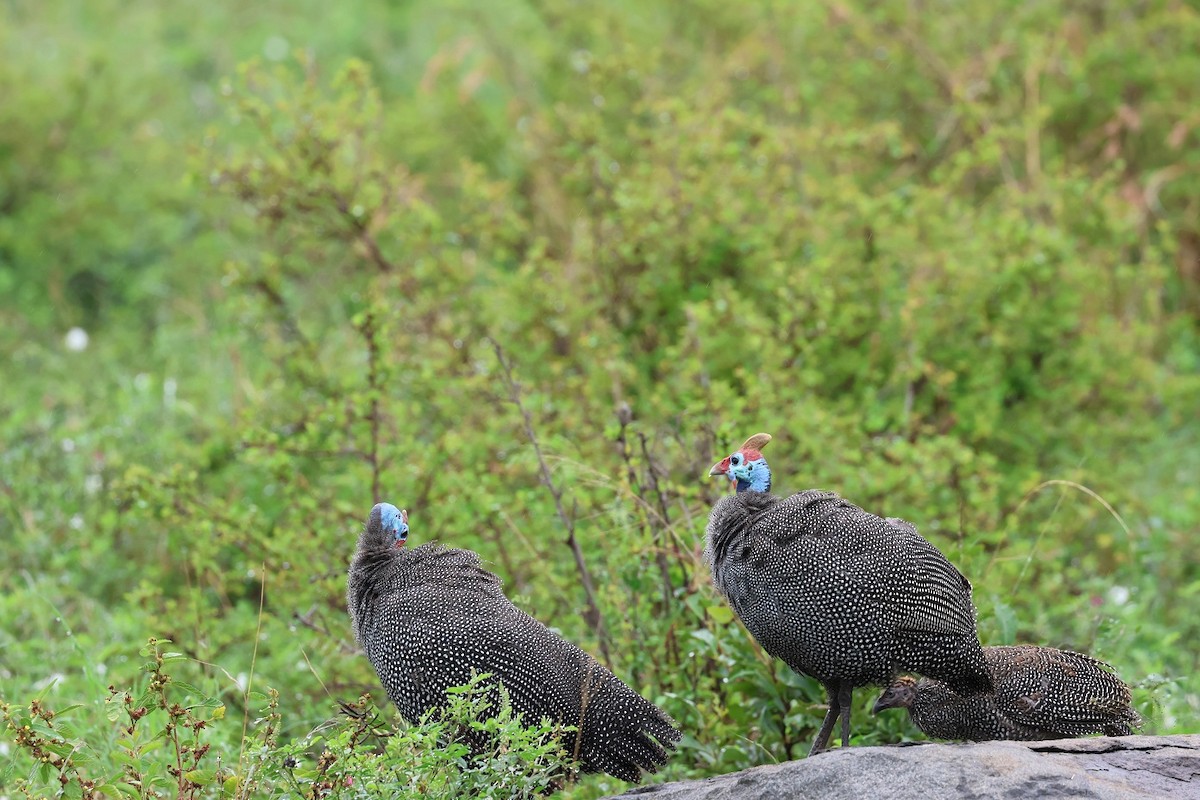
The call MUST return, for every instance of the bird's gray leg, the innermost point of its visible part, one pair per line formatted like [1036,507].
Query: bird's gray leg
[822,740]
[844,700]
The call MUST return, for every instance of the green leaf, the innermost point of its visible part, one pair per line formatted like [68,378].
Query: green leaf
[202,777]
[152,745]
[62,712]
[722,615]
[188,688]
[59,748]
[45,730]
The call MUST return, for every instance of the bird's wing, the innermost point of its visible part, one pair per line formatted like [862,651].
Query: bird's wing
[1057,690]
[448,629]
[938,596]
[456,629]
[879,562]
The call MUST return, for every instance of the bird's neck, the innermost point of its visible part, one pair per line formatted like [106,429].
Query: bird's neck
[760,481]
[376,552]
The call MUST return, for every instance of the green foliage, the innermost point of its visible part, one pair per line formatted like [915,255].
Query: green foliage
[947,258]
[157,739]
[475,747]
[165,742]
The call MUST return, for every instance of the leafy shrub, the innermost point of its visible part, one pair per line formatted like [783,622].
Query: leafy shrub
[947,259]
[164,744]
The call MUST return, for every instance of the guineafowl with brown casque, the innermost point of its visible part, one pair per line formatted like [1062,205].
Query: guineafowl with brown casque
[1039,693]
[836,592]
[429,616]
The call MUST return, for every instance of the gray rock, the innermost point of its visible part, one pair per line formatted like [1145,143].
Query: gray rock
[1124,768]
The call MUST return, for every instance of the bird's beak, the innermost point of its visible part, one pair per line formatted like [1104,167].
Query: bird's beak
[718,468]
[881,704]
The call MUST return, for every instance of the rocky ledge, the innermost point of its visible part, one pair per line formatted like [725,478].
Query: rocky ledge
[1125,768]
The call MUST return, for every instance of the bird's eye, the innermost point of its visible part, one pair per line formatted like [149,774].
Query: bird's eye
[735,459]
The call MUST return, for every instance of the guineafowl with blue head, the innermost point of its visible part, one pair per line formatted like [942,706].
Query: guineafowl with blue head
[838,593]
[429,617]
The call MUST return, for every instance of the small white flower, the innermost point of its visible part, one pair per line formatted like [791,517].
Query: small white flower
[202,96]
[276,48]
[68,445]
[92,483]
[52,678]
[76,522]
[581,61]
[1118,595]
[77,340]
[242,680]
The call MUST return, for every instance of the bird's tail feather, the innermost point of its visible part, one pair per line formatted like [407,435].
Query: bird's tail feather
[633,751]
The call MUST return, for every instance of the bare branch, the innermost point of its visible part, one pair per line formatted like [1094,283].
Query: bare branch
[369,332]
[593,616]
[660,554]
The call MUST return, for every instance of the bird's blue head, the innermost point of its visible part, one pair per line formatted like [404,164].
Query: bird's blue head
[746,468]
[392,522]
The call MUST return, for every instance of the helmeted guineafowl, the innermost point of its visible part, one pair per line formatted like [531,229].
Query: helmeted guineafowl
[1039,693]
[838,593]
[428,616]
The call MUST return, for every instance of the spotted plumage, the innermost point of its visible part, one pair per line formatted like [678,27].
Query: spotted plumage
[428,616]
[836,592]
[1040,693]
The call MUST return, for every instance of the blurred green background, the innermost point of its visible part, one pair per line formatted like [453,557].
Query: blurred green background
[255,260]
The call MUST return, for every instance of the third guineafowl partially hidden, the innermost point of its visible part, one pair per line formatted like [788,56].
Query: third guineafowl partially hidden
[429,616]
[836,592]
[1039,693]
